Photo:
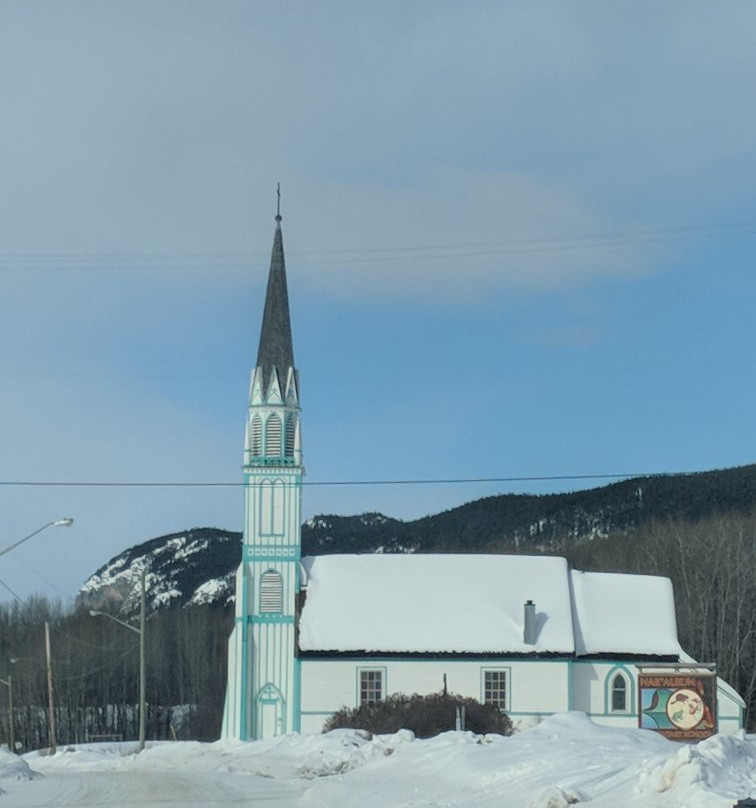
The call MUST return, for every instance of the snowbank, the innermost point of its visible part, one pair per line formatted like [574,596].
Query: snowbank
[564,760]
[13,767]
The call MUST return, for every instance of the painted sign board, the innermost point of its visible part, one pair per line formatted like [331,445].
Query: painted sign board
[680,706]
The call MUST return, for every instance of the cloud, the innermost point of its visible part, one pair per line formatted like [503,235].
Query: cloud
[435,153]
[460,236]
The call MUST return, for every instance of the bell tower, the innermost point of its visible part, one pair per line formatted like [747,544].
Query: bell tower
[262,695]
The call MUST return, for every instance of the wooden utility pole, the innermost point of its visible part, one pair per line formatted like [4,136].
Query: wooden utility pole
[51,703]
[11,720]
[11,724]
[142,665]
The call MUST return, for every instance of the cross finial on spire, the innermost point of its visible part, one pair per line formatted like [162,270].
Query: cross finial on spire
[278,204]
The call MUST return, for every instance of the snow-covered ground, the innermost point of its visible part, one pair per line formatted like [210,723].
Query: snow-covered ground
[565,760]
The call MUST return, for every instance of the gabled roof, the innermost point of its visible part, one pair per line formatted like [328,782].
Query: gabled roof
[623,614]
[434,603]
[474,604]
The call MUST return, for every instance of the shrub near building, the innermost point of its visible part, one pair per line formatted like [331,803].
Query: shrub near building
[426,716]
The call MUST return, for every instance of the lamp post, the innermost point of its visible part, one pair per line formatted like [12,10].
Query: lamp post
[67,522]
[57,523]
[142,665]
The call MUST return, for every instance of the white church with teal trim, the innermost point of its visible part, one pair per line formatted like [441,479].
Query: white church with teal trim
[526,633]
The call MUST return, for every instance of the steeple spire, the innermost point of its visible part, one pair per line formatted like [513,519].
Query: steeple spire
[276,353]
[263,699]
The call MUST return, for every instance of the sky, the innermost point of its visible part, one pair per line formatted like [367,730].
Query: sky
[518,237]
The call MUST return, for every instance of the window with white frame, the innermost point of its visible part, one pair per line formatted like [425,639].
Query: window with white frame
[371,686]
[495,688]
[619,694]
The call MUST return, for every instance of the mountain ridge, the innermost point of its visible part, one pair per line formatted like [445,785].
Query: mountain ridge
[196,567]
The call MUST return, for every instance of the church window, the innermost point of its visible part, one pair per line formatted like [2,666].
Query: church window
[273,436]
[291,431]
[495,688]
[619,694]
[371,686]
[271,593]
[256,442]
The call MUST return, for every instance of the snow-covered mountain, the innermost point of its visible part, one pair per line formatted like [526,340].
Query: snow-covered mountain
[197,566]
[194,567]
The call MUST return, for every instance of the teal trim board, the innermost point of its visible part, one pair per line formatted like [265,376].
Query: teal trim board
[244,673]
[296,707]
[267,619]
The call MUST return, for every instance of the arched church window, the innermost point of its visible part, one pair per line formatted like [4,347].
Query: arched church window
[256,436]
[291,432]
[273,436]
[619,694]
[271,592]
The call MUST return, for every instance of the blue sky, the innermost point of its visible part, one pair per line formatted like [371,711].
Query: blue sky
[519,241]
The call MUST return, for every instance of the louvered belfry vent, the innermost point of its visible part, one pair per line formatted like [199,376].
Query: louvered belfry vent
[271,593]
[273,436]
[256,436]
[291,431]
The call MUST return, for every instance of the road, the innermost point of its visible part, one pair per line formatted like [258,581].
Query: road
[148,789]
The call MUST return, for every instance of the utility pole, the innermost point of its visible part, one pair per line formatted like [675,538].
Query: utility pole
[11,723]
[142,666]
[142,662]
[51,703]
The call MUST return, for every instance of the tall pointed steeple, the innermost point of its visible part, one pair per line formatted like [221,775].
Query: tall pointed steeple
[262,696]
[275,353]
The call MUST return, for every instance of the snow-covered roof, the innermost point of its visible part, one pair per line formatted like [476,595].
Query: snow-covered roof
[434,603]
[475,604]
[623,614]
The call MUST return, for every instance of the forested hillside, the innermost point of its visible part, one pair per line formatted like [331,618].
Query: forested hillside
[547,523]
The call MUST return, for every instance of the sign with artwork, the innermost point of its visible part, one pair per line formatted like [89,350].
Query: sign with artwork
[680,706]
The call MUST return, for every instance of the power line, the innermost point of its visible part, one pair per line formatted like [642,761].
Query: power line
[325,483]
[204,261]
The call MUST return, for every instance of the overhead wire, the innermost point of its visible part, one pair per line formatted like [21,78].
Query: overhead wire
[58,261]
[325,483]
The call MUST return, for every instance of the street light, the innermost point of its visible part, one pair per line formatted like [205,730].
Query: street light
[142,666]
[57,523]
[66,522]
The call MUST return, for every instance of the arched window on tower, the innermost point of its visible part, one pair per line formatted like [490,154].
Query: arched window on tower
[256,436]
[619,694]
[273,436]
[291,433]
[271,592]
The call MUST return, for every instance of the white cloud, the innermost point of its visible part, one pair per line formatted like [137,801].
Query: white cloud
[459,236]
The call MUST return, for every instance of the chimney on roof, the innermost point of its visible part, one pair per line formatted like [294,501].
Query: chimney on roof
[529,626]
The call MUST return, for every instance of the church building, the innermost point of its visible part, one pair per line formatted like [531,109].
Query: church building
[525,633]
